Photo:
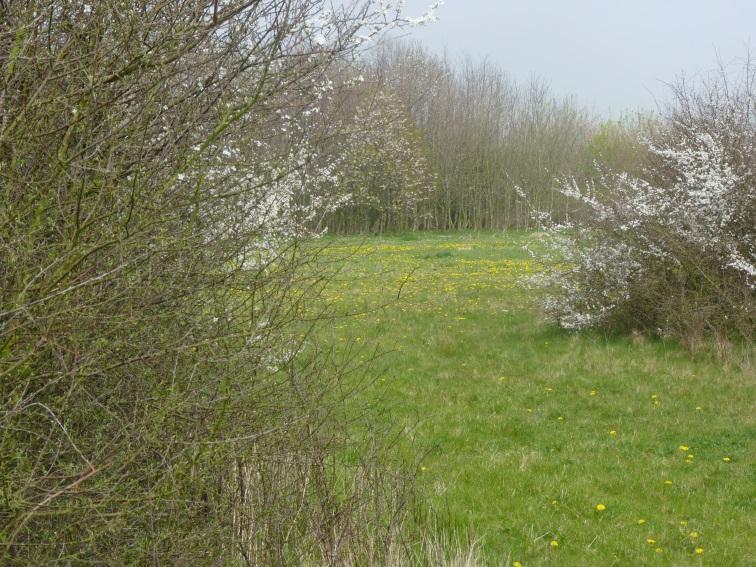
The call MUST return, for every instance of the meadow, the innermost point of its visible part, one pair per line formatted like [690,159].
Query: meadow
[544,447]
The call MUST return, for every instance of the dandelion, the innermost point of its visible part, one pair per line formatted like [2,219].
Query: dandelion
[554,502]
[694,535]
[613,433]
[516,564]
[600,507]
[654,396]
[683,522]
[423,469]
[641,521]
[554,543]
[684,448]
[560,418]
[699,550]
[658,550]
[650,541]
[727,459]
[668,482]
[698,408]
[593,392]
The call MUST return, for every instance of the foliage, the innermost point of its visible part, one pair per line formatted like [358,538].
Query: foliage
[617,145]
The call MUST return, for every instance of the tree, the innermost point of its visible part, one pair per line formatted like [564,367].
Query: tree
[384,170]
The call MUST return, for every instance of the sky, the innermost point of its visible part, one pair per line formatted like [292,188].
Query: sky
[612,55]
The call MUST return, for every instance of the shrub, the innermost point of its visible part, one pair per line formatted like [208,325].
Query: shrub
[154,402]
[672,251]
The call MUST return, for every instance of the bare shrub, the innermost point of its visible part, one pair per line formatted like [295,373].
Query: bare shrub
[154,401]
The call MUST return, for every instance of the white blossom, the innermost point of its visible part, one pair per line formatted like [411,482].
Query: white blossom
[689,209]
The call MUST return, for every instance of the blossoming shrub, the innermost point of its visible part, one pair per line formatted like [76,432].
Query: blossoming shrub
[672,251]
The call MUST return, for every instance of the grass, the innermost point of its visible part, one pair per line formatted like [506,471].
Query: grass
[526,429]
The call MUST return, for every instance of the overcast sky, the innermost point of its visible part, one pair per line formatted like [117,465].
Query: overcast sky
[614,55]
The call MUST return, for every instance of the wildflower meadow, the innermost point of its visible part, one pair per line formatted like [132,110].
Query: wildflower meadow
[541,446]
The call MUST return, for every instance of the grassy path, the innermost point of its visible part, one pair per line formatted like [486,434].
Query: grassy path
[549,448]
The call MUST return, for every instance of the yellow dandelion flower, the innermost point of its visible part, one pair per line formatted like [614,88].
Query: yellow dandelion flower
[683,447]
[654,396]
[727,459]
[683,522]
[699,550]
[423,468]
[516,564]
[698,408]
[650,541]
[560,418]
[694,535]
[613,432]
[554,543]
[658,550]
[641,522]
[593,392]
[530,410]
[554,502]
[667,482]
[600,507]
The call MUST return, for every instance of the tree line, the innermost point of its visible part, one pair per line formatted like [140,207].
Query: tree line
[462,142]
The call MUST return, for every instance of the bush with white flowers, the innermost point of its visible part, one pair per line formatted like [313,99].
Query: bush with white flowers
[672,252]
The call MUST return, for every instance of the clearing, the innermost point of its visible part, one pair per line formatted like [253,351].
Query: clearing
[547,447]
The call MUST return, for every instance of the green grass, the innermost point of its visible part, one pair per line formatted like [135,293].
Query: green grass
[526,429]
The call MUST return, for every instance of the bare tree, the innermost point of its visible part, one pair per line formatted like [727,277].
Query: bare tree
[486,135]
